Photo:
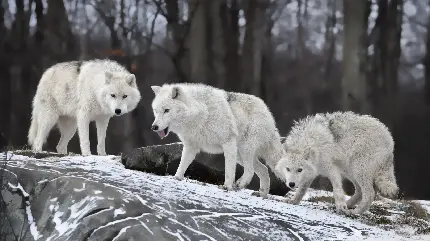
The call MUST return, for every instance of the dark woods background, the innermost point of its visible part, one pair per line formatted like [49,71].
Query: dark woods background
[300,56]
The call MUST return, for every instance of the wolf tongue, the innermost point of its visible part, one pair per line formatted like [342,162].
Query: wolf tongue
[161,134]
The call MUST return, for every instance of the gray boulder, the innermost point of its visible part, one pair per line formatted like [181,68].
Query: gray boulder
[209,168]
[76,198]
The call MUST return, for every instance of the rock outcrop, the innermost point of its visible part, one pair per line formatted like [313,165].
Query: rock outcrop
[59,198]
[209,168]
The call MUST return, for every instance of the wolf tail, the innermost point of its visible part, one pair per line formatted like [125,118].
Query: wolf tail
[33,129]
[385,179]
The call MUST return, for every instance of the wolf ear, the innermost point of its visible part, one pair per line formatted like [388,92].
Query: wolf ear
[108,77]
[309,153]
[175,92]
[156,89]
[131,80]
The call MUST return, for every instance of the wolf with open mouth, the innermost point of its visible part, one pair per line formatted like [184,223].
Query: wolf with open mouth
[214,121]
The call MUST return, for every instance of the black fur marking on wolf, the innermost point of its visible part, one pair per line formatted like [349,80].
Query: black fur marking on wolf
[78,66]
[335,134]
[231,96]
[175,92]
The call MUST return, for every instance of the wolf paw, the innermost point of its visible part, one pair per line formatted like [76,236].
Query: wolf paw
[290,201]
[228,188]
[260,193]
[241,184]
[61,150]
[352,212]
[179,178]
[238,186]
[342,207]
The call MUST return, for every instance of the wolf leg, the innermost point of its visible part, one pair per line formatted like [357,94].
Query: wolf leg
[188,154]
[67,128]
[350,203]
[263,173]
[230,155]
[83,121]
[247,157]
[102,125]
[339,195]
[367,194]
[45,124]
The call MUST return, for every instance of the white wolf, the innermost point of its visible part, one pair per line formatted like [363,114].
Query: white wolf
[336,145]
[72,94]
[212,120]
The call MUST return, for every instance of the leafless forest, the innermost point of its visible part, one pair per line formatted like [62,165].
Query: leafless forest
[300,56]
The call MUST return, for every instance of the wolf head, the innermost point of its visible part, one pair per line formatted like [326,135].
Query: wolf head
[120,94]
[296,167]
[169,108]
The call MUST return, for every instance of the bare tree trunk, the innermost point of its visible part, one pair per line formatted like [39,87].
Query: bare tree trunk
[269,93]
[122,19]
[306,87]
[59,35]
[173,24]
[40,27]
[390,61]
[300,29]
[252,52]
[387,33]
[231,26]
[104,9]
[354,56]
[20,27]
[330,43]
[20,74]
[217,14]
[5,87]
[2,13]
[198,39]
[426,63]
[177,33]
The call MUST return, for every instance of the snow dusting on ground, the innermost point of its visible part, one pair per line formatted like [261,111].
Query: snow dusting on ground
[313,219]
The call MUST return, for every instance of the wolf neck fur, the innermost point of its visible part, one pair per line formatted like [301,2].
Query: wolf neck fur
[196,118]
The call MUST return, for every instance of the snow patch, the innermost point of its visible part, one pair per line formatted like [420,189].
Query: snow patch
[120,233]
[168,190]
[118,212]
[80,189]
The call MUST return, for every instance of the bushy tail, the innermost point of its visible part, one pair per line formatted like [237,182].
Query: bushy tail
[33,129]
[385,179]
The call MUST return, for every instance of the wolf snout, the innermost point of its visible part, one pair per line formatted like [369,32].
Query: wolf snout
[291,184]
[117,111]
[154,127]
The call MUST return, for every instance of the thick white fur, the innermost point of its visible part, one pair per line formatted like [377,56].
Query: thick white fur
[337,145]
[72,94]
[212,120]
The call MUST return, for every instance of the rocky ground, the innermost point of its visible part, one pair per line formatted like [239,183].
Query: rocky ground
[54,197]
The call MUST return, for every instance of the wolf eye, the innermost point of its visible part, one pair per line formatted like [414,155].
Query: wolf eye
[124,96]
[113,95]
[166,110]
[299,170]
[288,169]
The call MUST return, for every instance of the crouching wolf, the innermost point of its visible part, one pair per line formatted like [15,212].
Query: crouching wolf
[72,94]
[212,120]
[337,145]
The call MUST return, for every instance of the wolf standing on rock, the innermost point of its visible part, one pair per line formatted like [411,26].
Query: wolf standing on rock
[336,145]
[72,94]
[212,120]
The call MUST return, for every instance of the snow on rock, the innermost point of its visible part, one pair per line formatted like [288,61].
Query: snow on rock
[96,198]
